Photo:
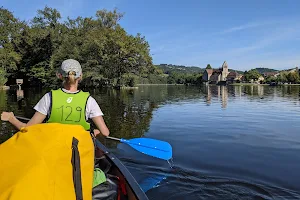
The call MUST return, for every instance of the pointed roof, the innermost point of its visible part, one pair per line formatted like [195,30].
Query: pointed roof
[225,65]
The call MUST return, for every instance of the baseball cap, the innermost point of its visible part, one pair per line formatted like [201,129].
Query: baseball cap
[70,65]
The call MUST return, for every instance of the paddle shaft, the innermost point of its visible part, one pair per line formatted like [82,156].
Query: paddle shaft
[22,118]
[113,138]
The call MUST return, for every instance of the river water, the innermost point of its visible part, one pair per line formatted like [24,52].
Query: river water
[234,142]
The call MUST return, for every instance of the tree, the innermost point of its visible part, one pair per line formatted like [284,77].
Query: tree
[293,77]
[48,18]
[251,74]
[270,79]
[10,29]
[3,78]
[282,77]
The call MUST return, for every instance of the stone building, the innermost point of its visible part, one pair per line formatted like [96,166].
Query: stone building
[216,76]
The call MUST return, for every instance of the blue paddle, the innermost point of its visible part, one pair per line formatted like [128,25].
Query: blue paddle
[156,148]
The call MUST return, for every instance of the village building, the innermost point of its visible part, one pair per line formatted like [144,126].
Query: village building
[220,76]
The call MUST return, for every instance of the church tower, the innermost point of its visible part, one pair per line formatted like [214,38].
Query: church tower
[225,71]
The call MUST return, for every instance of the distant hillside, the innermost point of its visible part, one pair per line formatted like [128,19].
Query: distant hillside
[238,71]
[264,70]
[168,68]
[260,70]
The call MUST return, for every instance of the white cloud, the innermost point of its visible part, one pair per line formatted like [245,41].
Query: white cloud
[242,27]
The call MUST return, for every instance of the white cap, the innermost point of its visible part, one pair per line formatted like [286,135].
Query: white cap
[70,65]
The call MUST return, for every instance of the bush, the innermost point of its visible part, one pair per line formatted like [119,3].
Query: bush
[3,78]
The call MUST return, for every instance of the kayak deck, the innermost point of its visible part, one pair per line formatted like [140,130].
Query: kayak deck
[127,186]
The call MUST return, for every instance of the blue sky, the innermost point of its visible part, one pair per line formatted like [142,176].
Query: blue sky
[245,33]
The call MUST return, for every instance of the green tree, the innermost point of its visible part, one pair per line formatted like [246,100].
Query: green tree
[3,78]
[293,77]
[10,29]
[282,77]
[270,79]
[252,74]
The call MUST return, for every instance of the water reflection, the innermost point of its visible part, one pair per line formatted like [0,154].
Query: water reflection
[128,113]
[243,146]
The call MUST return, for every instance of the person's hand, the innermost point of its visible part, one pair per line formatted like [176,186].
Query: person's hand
[6,116]
[96,132]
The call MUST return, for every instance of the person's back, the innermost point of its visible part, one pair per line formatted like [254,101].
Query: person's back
[69,108]
[67,105]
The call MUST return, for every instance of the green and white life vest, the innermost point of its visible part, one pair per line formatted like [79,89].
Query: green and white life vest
[69,108]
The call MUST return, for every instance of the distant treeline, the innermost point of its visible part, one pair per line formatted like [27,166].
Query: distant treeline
[262,70]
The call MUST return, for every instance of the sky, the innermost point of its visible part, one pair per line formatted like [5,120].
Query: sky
[244,33]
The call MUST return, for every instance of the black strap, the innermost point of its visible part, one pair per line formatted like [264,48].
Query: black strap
[76,169]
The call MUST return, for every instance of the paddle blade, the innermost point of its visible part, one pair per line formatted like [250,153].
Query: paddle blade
[156,148]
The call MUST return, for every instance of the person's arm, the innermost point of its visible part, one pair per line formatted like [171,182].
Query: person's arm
[10,117]
[94,112]
[99,122]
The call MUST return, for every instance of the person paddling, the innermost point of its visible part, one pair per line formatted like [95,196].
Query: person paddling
[66,105]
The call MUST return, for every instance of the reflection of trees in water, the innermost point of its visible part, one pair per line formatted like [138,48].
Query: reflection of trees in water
[252,92]
[3,105]
[126,116]
[290,92]
[128,113]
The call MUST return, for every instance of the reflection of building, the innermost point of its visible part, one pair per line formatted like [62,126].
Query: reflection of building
[224,94]
[221,92]
[208,97]
[260,90]
[237,91]
[221,75]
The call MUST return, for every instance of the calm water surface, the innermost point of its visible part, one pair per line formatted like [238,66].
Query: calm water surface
[237,142]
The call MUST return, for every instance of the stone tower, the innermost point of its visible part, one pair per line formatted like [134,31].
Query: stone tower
[225,71]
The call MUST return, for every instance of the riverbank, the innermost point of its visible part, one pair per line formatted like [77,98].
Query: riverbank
[127,87]
[241,84]
[159,84]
